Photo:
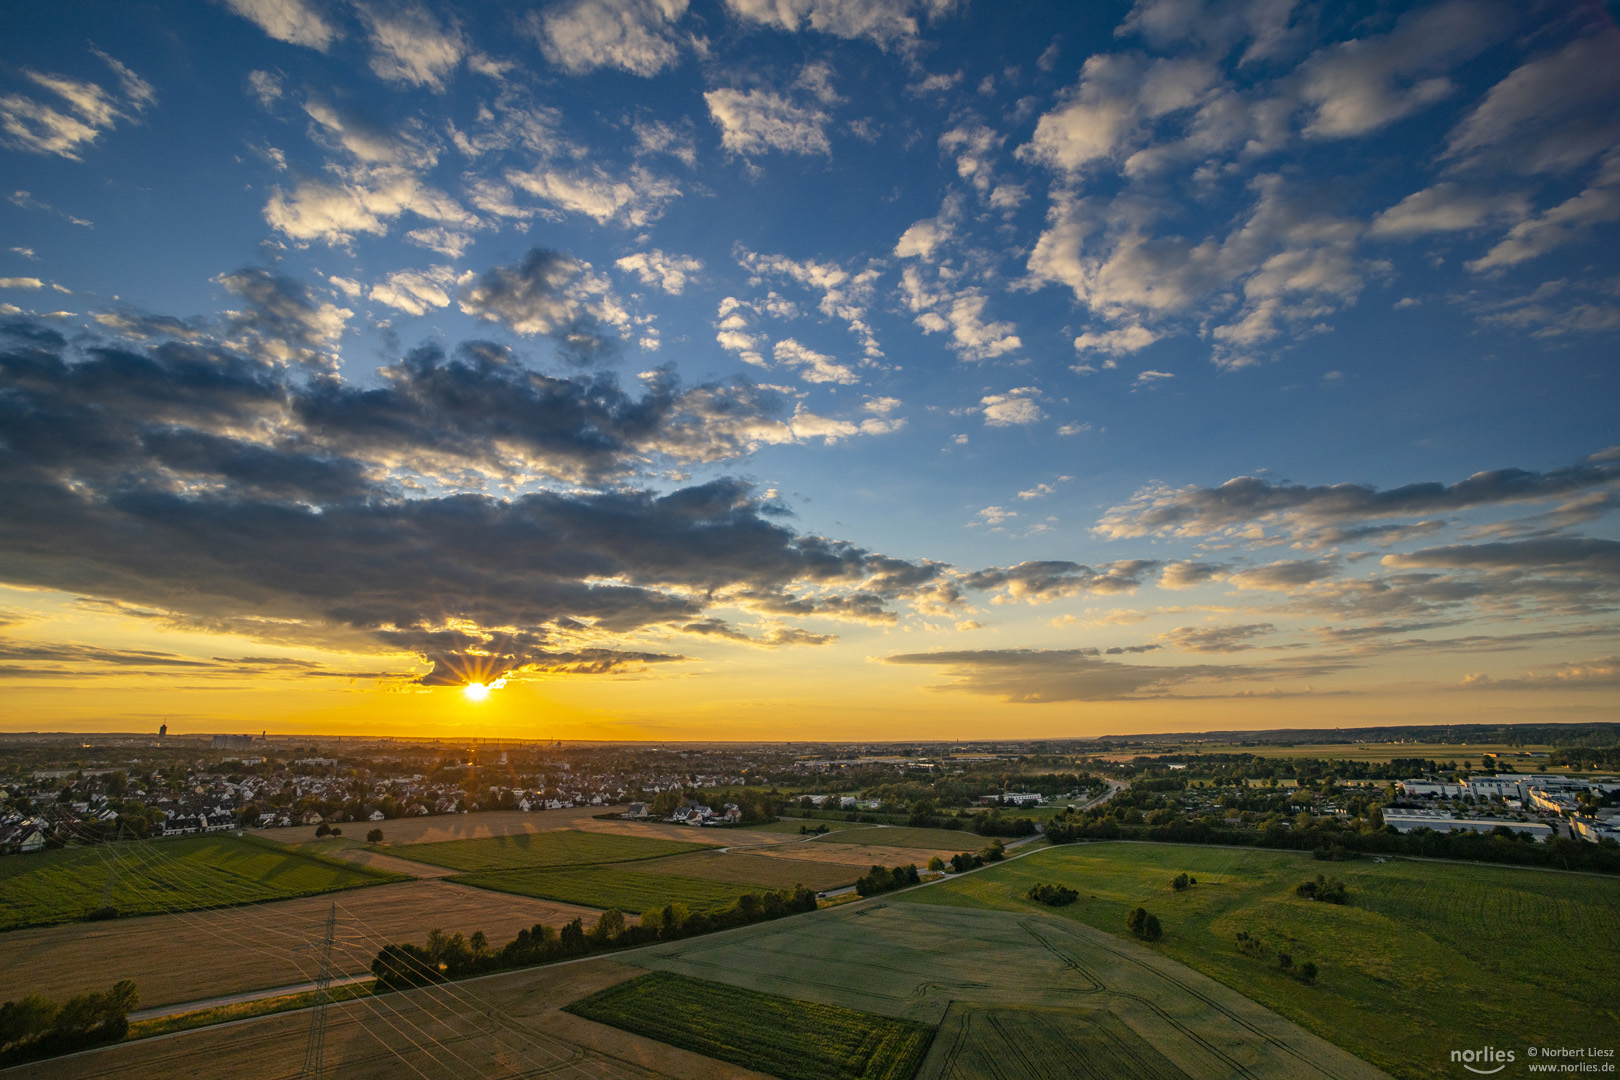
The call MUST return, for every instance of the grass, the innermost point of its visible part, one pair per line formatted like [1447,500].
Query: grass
[630,891]
[241,1010]
[985,1041]
[186,874]
[564,847]
[906,837]
[758,871]
[1426,957]
[795,1040]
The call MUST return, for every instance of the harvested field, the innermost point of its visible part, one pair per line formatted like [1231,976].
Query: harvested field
[565,847]
[200,955]
[503,1027]
[919,962]
[795,1040]
[901,836]
[632,891]
[861,855]
[754,870]
[141,878]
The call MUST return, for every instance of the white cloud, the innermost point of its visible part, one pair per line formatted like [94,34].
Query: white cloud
[266,86]
[448,242]
[1073,429]
[922,239]
[1126,339]
[410,45]
[1447,207]
[655,267]
[974,146]
[294,21]
[634,200]
[1148,378]
[940,308]
[813,367]
[360,201]
[44,129]
[882,406]
[1551,114]
[1358,86]
[845,294]
[417,291]
[657,137]
[1016,406]
[21,283]
[631,35]
[885,22]
[754,121]
[995,515]
[1569,222]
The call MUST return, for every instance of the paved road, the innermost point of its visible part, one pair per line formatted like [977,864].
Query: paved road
[235,999]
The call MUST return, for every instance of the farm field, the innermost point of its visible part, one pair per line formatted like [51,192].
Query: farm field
[140,878]
[1425,958]
[993,979]
[564,847]
[902,836]
[509,1025]
[205,954]
[794,1040]
[754,870]
[631,891]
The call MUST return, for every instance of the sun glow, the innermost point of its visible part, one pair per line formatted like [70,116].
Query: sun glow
[476,691]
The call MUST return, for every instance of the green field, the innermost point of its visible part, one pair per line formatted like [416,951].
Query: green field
[795,1040]
[631,891]
[565,847]
[904,836]
[1426,957]
[1016,995]
[139,878]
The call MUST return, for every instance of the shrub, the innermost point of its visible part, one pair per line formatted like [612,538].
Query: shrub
[1180,882]
[882,879]
[1307,972]
[1144,924]
[936,864]
[1327,890]
[323,830]
[1052,895]
[375,836]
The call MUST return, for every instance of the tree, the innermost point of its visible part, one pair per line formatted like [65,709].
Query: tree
[375,836]
[936,864]
[1307,972]
[1144,925]
[1180,882]
[323,830]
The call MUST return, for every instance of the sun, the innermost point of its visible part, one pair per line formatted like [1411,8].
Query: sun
[475,691]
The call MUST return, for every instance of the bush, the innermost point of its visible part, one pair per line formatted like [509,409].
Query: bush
[323,830]
[375,836]
[1180,882]
[1249,944]
[936,865]
[1307,972]
[1144,925]
[1052,895]
[963,861]
[881,879]
[1327,890]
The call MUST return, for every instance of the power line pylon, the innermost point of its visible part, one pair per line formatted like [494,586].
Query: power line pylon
[316,1045]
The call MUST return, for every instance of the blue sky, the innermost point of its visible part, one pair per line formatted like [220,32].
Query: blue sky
[944,347]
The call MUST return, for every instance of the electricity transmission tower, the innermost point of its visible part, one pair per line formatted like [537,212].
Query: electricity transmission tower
[313,1069]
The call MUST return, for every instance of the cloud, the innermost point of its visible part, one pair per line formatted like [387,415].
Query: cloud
[21,283]
[631,35]
[755,121]
[658,137]
[1447,207]
[205,484]
[886,22]
[1016,406]
[1601,557]
[1150,378]
[1190,575]
[1103,115]
[1569,222]
[1302,510]
[1217,639]
[1551,114]
[1600,673]
[416,292]
[667,272]
[283,321]
[813,367]
[634,199]
[296,22]
[409,44]
[1120,342]
[1042,581]
[845,294]
[1046,675]
[1285,575]
[39,128]
[553,294]
[940,308]
[362,200]
[1358,86]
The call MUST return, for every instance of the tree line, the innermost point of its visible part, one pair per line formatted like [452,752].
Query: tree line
[37,1027]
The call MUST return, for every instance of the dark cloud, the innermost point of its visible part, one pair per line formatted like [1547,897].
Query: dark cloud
[282,320]
[1217,639]
[1600,557]
[1044,675]
[1339,508]
[203,487]
[551,294]
[1285,575]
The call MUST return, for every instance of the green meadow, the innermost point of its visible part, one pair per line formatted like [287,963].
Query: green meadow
[630,891]
[149,878]
[564,847]
[1424,958]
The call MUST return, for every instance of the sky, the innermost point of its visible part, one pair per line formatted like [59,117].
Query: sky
[808,369]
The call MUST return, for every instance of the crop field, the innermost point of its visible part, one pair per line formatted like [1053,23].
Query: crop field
[948,840]
[564,847]
[506,1026]
[631,891]
[756,871]
[1425,957]
[984,977]
[136,878]
[795,1040]
[203,954]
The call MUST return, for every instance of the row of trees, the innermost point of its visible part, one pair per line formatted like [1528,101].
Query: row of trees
[882,879]
[398,967]
[37,1027]
[1052,895]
